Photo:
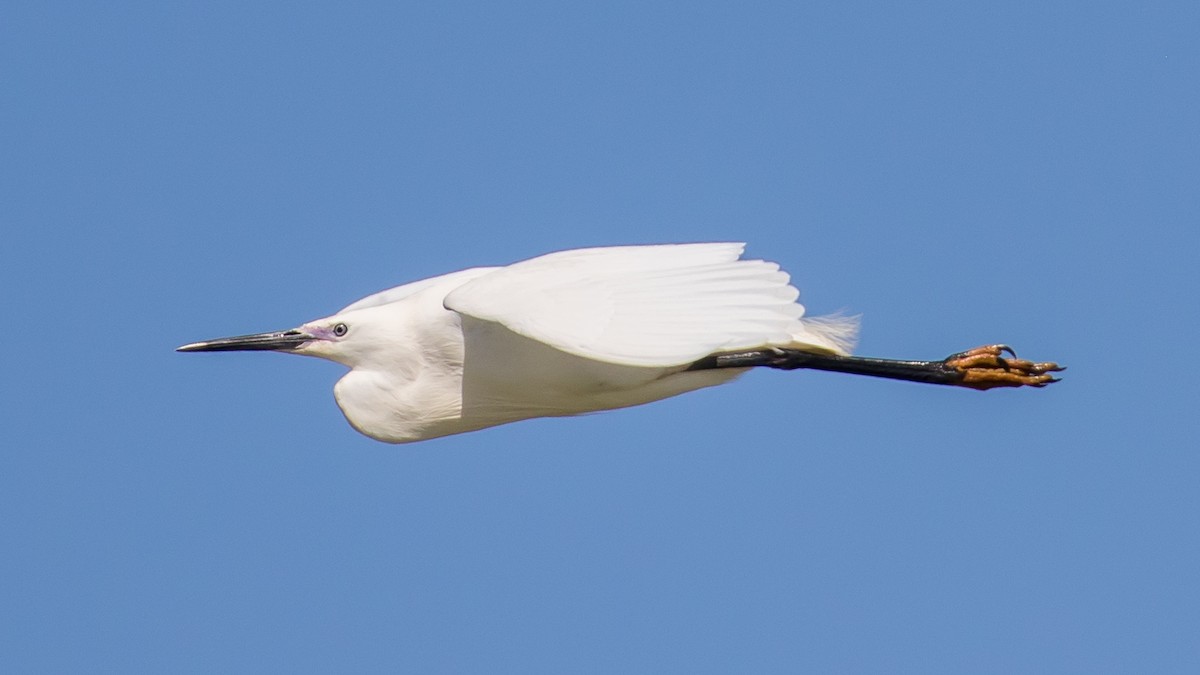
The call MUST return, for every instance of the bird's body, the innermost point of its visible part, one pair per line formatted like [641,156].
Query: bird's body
[562,334]
[459,373]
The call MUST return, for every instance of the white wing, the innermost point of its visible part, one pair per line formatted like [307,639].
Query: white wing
[400,292]
[655,306]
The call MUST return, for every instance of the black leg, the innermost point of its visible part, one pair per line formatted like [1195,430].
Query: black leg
[979,368]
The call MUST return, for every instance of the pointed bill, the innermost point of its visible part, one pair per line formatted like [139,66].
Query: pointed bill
[279,340]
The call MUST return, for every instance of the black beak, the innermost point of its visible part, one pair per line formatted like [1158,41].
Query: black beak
[288,339]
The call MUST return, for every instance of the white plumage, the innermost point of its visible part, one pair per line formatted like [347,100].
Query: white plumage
[562,334]
[643,305]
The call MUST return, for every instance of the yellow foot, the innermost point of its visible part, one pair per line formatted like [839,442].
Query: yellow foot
[986,367]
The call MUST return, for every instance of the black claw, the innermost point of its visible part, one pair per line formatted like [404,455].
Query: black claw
[1005,348]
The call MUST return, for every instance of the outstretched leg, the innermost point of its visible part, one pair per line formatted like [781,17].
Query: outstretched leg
[981,368]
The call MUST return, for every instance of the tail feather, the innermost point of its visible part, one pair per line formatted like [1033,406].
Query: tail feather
[836,333]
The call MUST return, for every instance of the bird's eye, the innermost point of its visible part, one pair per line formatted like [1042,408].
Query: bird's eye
[340,329]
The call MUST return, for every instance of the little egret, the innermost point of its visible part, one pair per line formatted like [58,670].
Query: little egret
[586,330]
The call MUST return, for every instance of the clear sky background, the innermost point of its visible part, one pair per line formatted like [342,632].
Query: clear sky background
[958,174]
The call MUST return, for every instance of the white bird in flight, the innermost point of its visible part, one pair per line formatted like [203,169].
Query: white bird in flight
[586,330]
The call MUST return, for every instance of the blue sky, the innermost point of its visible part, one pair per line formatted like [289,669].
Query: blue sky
[958,174]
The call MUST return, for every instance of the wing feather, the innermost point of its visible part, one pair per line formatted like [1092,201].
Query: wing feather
[660,306]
